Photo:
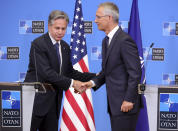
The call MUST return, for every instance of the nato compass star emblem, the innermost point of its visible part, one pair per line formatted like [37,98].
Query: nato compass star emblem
[169,102]
[3,52]
[11,100]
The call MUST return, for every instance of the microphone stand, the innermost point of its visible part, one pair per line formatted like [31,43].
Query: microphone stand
[142,86]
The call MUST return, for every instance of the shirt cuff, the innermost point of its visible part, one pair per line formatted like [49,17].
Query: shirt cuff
[93,83]
[71,84]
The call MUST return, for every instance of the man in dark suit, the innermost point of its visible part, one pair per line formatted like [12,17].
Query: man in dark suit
[50,63]
[121,70]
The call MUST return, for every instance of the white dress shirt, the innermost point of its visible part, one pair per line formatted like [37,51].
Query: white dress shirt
[112,32]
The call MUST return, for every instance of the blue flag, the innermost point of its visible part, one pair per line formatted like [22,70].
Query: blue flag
[135,32]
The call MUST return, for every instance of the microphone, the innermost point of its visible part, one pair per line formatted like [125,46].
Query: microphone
[142,86]
[39,87]
[152,44]
[36,85]
[36,70]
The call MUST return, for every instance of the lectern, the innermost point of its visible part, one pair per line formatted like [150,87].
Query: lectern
[16,104]
[162,106]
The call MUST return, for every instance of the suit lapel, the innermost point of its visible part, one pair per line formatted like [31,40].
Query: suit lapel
[113,42]
[51,47]
[65,54]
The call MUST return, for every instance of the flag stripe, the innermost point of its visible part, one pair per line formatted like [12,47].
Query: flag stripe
[83,65]
[77,110]
[63,128]
[67,120]
[72,114]
[80,101]
[77,67]
[85,98]
[89,105]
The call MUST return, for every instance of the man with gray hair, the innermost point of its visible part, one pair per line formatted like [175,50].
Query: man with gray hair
[121,70]
[50,63]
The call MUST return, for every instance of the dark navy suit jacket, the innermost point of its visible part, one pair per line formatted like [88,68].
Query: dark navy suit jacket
[48,71]
[121,71]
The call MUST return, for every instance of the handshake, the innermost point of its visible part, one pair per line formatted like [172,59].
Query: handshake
[80,87]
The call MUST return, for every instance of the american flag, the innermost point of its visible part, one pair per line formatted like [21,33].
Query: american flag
[77,112]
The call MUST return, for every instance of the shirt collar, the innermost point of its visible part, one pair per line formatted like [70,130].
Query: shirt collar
[112,32]
[53,40]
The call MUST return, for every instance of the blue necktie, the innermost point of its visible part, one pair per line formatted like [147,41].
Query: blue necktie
[58,54]
[106,43]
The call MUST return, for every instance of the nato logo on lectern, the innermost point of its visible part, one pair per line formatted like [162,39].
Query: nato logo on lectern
[168,112]
[11,108]
[31,27]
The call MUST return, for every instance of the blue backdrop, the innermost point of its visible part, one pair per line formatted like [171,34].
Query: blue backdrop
[158,20]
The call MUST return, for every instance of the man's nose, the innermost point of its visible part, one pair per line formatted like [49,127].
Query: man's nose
[60,31]
[95,20]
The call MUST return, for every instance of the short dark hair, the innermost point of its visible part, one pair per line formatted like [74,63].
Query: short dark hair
[57,14]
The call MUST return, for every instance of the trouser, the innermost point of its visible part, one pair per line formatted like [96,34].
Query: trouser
[49,122]
[124,122]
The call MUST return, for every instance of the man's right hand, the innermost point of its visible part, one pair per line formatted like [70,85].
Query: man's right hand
[88,84]
[77,85]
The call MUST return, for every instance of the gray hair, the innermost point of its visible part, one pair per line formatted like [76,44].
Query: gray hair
[56,14]
[111,9]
